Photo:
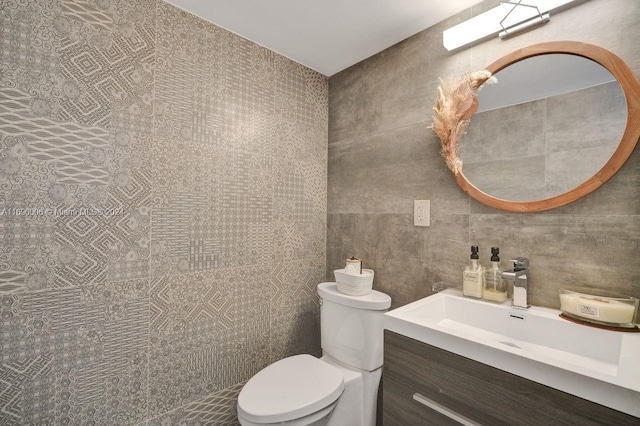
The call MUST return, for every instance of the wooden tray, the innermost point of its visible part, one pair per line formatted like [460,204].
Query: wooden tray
[601,326]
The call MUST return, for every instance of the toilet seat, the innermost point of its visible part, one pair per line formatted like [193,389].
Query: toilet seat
[291,388]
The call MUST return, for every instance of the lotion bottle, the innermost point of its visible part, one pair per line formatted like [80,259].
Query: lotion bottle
[473,276]
[495,287]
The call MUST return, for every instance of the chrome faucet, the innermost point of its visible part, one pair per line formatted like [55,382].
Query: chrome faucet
[520,277]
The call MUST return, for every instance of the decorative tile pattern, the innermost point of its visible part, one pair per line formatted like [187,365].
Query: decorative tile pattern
[162,213]
[74,163]
[77,65]
[216,409]
[295,312]
[208,332]
[295,328]
[65,349]
[13,376]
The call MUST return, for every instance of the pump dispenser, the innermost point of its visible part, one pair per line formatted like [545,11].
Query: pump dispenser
[473,276]
[495,288]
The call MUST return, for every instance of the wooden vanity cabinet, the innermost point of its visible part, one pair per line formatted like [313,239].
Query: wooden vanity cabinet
[416,374]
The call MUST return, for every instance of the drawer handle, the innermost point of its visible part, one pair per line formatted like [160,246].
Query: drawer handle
[444,410]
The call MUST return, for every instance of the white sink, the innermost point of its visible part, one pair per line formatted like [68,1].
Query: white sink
[599,365]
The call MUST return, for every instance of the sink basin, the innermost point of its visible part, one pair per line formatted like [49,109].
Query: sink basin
[599,365]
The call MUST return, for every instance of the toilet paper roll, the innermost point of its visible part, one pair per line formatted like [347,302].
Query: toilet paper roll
[353,266]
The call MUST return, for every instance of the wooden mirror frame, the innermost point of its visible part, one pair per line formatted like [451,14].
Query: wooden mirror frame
[631,88]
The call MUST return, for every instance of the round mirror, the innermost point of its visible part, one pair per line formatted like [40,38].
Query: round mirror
[562,118]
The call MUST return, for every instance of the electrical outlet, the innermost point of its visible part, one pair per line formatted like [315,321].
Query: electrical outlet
[421,212]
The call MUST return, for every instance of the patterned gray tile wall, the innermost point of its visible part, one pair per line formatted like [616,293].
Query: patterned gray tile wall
[382,157]
[172,181]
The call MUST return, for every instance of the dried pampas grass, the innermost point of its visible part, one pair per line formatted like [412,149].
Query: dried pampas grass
[457,102]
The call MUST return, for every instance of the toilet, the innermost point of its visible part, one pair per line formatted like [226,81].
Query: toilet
[341,388]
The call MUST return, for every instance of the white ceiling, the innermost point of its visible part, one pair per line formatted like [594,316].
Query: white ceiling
[325,35]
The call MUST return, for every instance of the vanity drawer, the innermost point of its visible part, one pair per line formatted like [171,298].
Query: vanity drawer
[417,375]
[401,409]
[412,376]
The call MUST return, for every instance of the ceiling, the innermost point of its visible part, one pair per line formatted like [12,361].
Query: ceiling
[325,35]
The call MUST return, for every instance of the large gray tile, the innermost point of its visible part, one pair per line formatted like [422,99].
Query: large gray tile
[446,252]
[615,197]
[517,179]
[505,133]
[400,278]
[393,235]
[591,117]
[388,244]
[388,90]
[552,239]
[580,252]
[566,170]
[383,173]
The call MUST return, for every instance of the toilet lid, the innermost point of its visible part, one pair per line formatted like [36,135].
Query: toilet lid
[291,388]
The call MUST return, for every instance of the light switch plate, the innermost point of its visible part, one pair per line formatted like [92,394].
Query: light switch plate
[421,212]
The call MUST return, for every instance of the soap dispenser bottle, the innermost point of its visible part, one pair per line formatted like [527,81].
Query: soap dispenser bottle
[495,287]
[473,276]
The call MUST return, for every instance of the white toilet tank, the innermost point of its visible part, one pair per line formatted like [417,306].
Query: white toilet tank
[351,326]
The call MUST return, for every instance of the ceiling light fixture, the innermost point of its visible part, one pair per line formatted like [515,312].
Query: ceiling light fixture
[509,18]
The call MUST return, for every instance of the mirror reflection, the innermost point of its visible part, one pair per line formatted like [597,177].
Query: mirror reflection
[550,123]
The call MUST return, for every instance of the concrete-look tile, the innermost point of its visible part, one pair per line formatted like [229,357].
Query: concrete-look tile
[399,278]
[595,223]
[393,235]
[617,196]
[388,90]
[365,173]
[505,133]
[587,118]
[565,170]
[579,252]
[383,173]
[388,244]
[517,179]
[345,238]
[396,147]
[483,6]
[446,252]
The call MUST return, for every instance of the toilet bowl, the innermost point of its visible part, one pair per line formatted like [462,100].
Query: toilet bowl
[299,390]
[338,389]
